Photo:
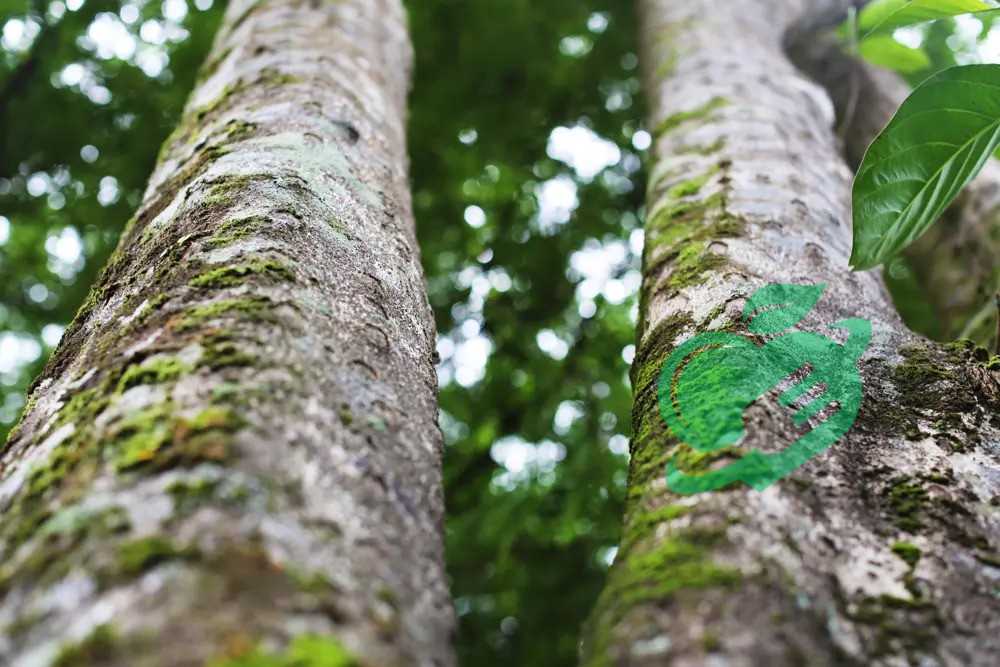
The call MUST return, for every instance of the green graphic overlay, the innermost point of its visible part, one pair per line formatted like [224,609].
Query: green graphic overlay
[710,380]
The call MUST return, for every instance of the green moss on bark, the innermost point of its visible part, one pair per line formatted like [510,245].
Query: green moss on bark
[78,414]
[652,443]
[642,524]
[678,563]
[235,229]
[655,347]
[691,461]
[929,378]
[137,556]
[268,77]
[680,232]
[346,417]
[150,307]
[189,494]
[140,437]
[159,438]
[907,501]
[702,149]
[307,650]
[898,626]
[222,352]
[236,274]
[252,308]
[908,552]
[919,369]
[99,647]
[156,370]
[76,520]
[105,645]
[226,190]
[672,122]
[693,186]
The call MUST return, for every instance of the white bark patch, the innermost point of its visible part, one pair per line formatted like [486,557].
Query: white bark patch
[167,214]
[317,162]
[144,343]
[244,249]
[130,402]
[869,571]
[649,648]
[12,483]
[80,381]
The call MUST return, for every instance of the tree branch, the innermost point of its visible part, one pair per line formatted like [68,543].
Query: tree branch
[957,261]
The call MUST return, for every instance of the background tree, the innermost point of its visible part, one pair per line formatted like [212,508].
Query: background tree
[883,550]
[234,452]
[526,195]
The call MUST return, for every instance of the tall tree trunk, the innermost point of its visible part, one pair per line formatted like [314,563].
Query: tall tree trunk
[234,450]
[883,550]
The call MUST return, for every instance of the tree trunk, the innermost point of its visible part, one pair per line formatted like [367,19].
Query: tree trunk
[884,549]
[234,451]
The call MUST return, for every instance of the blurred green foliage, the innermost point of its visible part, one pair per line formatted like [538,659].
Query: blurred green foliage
[79,130]
[527,168]
[528,543]
[947,43]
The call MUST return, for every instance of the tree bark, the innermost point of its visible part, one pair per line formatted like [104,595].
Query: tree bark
[234,450]
[883,550]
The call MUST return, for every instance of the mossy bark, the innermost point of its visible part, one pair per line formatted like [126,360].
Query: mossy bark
[184,488]
[879,551]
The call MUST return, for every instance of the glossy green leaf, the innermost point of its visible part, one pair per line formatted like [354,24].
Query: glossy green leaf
[884,51]
[887,15]
[938,141]
[776,307]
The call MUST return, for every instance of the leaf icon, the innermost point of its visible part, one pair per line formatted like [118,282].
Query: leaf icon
[776,307]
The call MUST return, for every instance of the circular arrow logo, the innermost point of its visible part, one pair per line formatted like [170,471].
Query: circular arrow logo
[710,380]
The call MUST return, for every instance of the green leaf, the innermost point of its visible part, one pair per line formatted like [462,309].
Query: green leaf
[938,141]
[774,308]
[884,51]
[887,15]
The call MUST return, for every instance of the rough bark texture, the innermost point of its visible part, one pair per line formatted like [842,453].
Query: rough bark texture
[234,451]
[883,550]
